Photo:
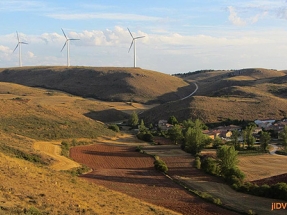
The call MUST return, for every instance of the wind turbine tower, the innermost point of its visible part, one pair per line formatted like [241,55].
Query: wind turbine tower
[134,43]
[19,45]
[68,47]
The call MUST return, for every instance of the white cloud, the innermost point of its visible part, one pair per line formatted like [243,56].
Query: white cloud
[30,54]
[107,16]
[20,5]
[5,49]
[234,18]
[169,52]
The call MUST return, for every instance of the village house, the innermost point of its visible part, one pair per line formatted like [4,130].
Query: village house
[163,125]
[211,133]
[264,123]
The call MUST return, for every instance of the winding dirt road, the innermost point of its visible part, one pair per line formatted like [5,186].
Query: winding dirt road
[53,150]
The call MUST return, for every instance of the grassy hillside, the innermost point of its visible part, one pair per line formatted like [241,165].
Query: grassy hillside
[107,83]
[246,94]
[30,189]
[28,114]
[28,186]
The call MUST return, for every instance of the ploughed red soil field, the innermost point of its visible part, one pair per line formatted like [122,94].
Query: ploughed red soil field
[122,169]
[272,180]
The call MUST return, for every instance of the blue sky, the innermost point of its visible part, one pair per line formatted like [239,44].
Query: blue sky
[180,36]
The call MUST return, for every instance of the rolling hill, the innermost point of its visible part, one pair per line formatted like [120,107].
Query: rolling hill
[28,186]
[107,83]
[246,94]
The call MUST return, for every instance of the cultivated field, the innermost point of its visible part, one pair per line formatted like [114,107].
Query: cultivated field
[122,169]
[262,166]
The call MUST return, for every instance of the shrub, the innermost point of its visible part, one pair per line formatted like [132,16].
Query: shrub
[114,127]
[34,158]
[32,211]
[160,165]
[147,136]
[210,165]
[234,175]
[279,191]
[138,148]
[197,163]
[65,148]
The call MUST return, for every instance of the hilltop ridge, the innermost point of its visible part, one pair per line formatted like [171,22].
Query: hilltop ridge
[104,83]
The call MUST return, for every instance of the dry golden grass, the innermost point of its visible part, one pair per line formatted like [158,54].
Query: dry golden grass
[262,166]
[24,185]
[105,83]
[27,185]
[53,150]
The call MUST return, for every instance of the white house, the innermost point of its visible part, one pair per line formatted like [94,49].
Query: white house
[264,123]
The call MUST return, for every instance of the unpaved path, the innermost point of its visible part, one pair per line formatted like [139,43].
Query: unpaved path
[53,150]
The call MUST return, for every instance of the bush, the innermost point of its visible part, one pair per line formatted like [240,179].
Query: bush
[234,175]
[138,148]
[279,191]
[34,158]
[160,165]
[32,211]
[148,137]
[114,127]
[197,163]
[65,147]
[210,165]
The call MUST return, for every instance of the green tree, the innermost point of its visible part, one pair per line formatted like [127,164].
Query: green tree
[188,123]
[250,140]
[195,140]
[134,120]
[264,140]
[227,156]
[172,120]
[217,142]
[142,127]
[283,137]
[175,133]
[234,139]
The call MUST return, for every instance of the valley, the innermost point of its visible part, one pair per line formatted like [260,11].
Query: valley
[40,108]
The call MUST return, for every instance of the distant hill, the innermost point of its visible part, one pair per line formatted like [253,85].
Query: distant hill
[104,83]
[242,94]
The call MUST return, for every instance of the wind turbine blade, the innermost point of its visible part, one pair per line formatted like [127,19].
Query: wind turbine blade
[64,33]
[131,33]
[17,36]
[23,43]
[139,37]
[16,47]
[131,45]
[64,45]
[74,39]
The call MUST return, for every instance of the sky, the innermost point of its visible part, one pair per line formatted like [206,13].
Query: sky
[179,36]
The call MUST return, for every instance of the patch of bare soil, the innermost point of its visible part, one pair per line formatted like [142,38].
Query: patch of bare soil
[272,180]
[53,150]
[122,169]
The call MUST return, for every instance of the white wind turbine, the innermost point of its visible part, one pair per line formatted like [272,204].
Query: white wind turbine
[19,44]
[134,43]
[68,47]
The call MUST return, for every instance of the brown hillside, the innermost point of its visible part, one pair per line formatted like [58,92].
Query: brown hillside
[210,82]
[246,94]
[104,83]
[214,109]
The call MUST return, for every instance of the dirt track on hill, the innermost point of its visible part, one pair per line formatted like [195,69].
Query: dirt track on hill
[53,150]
